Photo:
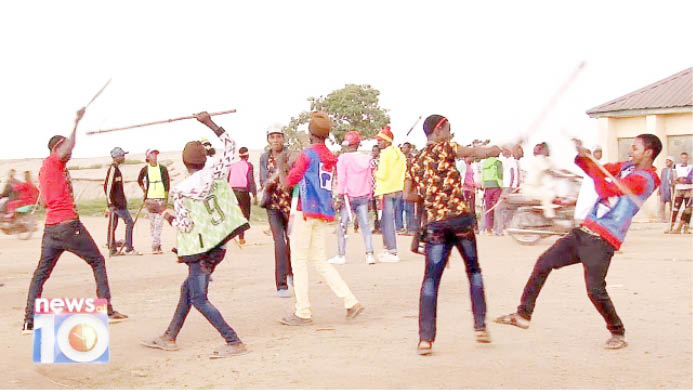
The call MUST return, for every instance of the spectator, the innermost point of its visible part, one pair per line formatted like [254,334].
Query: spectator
[666,189]
[354,190]
[242,180]
[389,183]
[682,197]
[277,202]
[155,190]
[117,203]
[492,181]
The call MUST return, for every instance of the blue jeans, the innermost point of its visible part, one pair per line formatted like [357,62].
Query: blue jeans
[441,237]
[124,214]
[193,292]
[399,215]
[359,207]
[387,224]
[411,217]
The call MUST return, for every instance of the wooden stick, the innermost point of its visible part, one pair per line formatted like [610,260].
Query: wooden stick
[534,126]
[157,122]
[626,191]
[412,126]
[98,93]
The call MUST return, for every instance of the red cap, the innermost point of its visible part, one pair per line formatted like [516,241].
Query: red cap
[352,138]
[385,134]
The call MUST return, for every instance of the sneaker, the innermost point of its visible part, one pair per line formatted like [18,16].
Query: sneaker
[482,336]
[283,293]
[370,259]
[132,252]
[294,320]
[513,319]
[337,260]
[616,342]
[387,257]
[157,250]
[161,343]
[241,241]
[228,350]
[115,317]
[354,311]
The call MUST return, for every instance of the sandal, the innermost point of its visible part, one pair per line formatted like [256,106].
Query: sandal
[228,350]
[616,342]
[482,336]
[513,319]
[160,343]
[424,348]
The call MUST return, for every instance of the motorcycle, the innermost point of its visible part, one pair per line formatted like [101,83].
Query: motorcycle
[23,224]
[529,225]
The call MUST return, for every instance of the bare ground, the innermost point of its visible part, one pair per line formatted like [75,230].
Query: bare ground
[650,282]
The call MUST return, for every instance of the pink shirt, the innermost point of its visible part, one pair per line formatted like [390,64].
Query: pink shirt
[354,175]
[238,177]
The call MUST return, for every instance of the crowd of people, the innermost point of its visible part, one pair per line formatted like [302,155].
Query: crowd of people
[429,194]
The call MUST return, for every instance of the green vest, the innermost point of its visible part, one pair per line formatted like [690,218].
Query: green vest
[489,172]
[214,219]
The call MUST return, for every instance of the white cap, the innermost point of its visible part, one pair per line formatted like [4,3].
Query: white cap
[670,158]
[596,147]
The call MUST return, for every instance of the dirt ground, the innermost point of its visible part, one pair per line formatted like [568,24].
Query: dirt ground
[649,281]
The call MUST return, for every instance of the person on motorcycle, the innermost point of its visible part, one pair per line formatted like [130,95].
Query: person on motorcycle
[8,193]
[27,194]
[540,183]
[603,231]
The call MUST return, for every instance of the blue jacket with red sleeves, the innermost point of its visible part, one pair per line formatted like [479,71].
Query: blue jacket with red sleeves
[313,173]
[613,213]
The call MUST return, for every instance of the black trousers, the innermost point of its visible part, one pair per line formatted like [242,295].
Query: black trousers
[282,249]
[243,198]
[71,237]
[577,247]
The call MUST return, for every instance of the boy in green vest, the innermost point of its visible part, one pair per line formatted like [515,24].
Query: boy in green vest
[206,216]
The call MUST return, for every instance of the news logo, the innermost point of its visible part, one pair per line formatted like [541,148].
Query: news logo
[71,330]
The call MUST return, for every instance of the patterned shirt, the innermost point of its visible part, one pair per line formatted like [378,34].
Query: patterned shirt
[199,185]
[438,181]
[280,199]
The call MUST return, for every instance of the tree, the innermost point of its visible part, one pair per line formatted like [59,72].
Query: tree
[354,107]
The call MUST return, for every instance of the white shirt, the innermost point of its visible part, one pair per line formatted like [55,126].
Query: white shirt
[587,198]
[683,172]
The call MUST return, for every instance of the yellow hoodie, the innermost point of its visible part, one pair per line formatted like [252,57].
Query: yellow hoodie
[392,166]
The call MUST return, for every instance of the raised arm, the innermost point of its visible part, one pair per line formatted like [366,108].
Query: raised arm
[222,166]
[64,149]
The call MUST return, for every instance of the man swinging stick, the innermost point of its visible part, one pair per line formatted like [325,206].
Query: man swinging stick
[603,231]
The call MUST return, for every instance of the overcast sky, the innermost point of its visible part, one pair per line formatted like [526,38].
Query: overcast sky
[490,67]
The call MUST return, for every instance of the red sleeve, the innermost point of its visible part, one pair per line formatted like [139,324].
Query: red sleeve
[298,170]
[605,189]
